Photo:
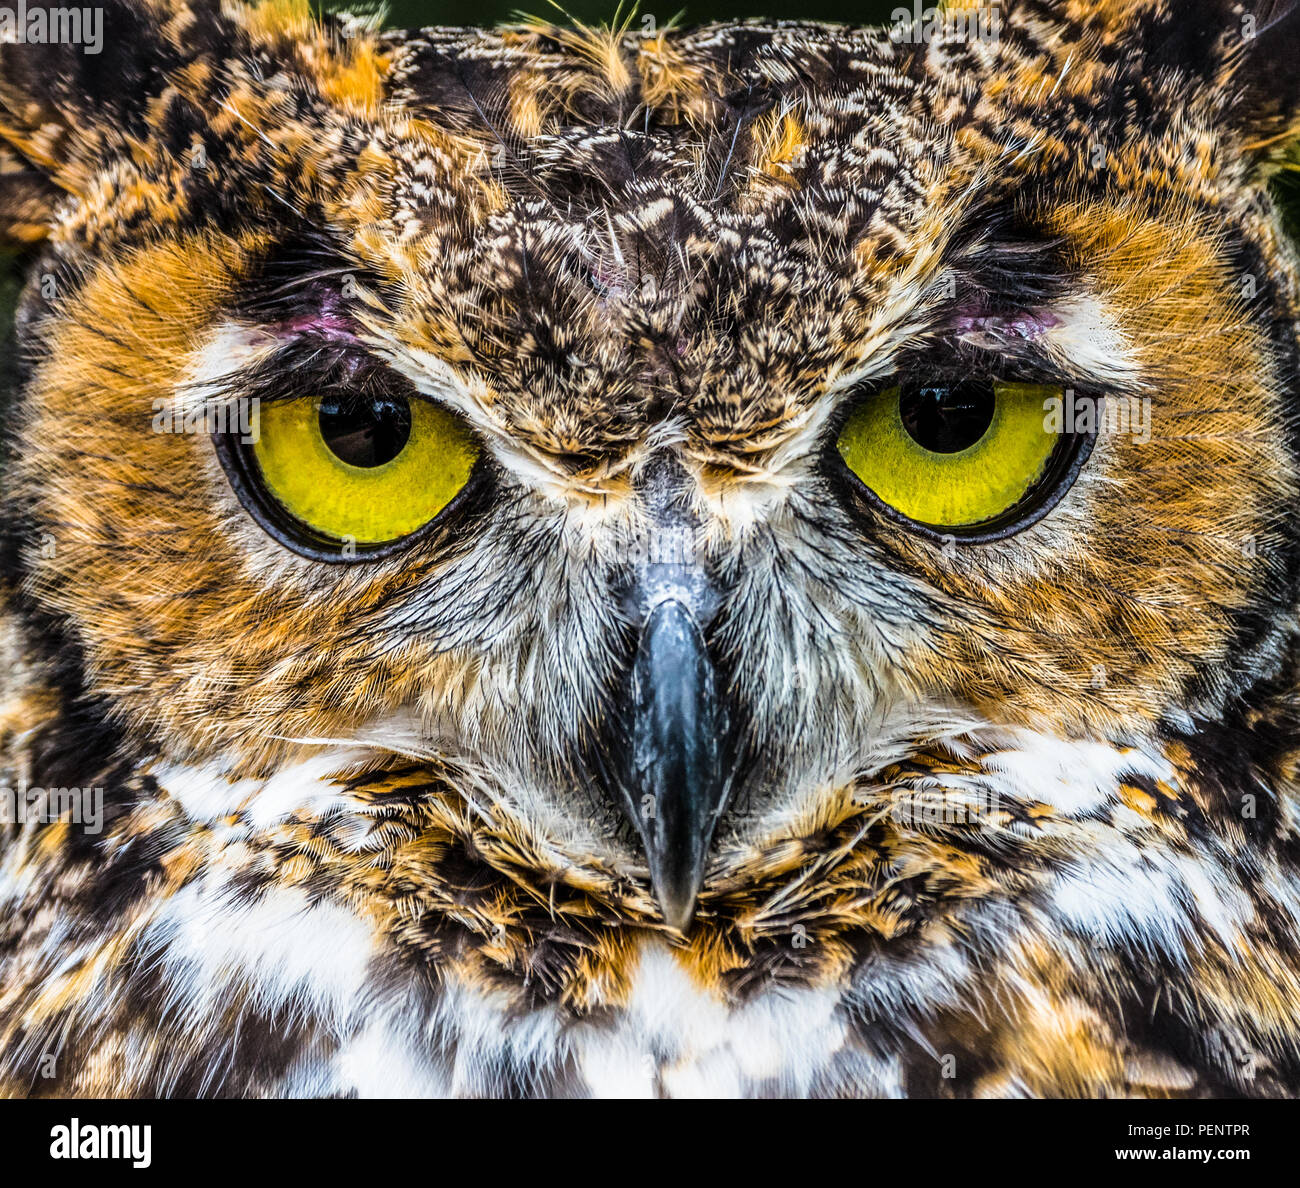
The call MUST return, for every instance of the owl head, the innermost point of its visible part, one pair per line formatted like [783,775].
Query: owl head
[805,491]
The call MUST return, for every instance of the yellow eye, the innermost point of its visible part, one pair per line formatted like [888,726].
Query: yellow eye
[959,456]
[367,469]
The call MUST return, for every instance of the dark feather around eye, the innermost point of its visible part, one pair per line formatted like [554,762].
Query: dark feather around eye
[1005,263]
[309,366]
[304,276]
[948,361]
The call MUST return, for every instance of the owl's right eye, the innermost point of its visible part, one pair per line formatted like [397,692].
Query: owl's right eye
[362,468]
[973,457]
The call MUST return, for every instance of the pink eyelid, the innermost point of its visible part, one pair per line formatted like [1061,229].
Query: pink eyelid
[1028,325]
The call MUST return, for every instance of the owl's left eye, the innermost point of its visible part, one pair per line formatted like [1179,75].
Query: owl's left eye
[365,468]
[973,457]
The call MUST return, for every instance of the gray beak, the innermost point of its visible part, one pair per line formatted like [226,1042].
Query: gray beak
[674,784]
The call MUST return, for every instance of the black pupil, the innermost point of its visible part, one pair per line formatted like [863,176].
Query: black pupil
[947,418]
[366,431]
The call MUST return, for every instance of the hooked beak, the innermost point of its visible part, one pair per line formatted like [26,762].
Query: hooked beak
[674,784]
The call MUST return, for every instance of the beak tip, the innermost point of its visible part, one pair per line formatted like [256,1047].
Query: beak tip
[676,888]
[677,906]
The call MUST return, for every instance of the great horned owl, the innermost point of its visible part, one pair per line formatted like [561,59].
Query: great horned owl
[751,559]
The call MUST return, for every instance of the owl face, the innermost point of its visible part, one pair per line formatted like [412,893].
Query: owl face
[795,489]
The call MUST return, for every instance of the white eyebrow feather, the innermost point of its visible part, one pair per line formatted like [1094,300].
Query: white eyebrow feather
[1086,341]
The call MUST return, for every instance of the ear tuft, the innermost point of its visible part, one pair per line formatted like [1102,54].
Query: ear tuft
[70,106]
[1261,76]
[1244,53]
[74,92]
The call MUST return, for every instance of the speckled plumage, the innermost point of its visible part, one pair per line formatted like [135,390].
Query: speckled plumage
[1011,818]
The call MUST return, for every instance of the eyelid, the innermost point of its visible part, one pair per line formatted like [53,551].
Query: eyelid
[1000,329]
[306,364]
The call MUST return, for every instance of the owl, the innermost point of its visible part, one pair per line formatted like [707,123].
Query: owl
[758,559]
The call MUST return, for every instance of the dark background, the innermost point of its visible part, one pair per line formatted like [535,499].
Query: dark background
[413,13]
